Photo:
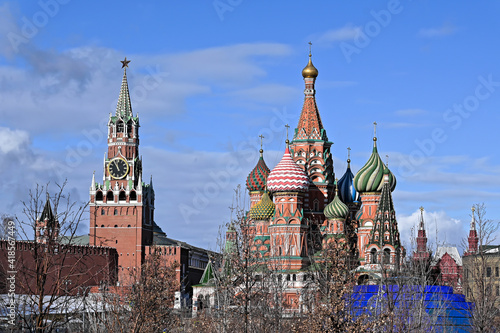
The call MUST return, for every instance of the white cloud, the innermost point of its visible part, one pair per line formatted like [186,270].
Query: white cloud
[445,30]
[347,32]
[13,140]
[440,229]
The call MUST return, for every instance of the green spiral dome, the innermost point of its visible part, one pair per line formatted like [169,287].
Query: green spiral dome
[336,210]
[370,178]
[264,209]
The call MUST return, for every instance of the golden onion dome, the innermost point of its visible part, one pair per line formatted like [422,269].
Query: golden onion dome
[310,70]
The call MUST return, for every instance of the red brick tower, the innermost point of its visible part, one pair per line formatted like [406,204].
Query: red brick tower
[422,254]
[472,239]
[288,230]
[310,149]
[256,180]
[122,207]
[369,182]
[383,252]
[47,226]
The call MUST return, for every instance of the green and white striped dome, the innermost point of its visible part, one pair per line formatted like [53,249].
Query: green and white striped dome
[370,178]
[336,210]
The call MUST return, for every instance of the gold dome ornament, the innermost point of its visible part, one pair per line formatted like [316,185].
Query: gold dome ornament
[310,71]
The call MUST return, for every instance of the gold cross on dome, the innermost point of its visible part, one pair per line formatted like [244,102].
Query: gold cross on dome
[310,47]
[125,62]
[287,127]
[421,209]
[473,209]
[375,129]
[261,137]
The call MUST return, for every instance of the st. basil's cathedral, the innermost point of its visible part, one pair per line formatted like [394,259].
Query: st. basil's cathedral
[297,208]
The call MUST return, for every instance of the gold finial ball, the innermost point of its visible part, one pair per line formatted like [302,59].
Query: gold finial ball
[348,160]
[375,139]
[310,71]
[473,209]
[287,141]
[261,151]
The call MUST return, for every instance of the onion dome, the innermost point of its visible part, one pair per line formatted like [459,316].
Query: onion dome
[287,176]
[336,210]
[256,180]
[310,70]
[264,209]
[345,185]
[370,177]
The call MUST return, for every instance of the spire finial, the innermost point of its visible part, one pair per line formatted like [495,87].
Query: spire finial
[387,160]
[348,156]
[473,220]
[310,47]
[261,150]
[287,141]
[125,62]
[421,227]
[374,129]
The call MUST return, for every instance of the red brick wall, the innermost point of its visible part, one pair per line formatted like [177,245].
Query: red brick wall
[81,266]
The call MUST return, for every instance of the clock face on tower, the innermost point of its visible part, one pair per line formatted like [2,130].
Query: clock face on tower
[118,168]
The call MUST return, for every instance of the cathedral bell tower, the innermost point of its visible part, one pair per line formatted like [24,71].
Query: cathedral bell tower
[122,207]
[310,149]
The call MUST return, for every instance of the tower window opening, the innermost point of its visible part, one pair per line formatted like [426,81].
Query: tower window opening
[129,129]
[119,127]
[387,256]
[115,213]
[133,196]
[122,196]
[373,253]
[109,196]
[99,196]
[103,211]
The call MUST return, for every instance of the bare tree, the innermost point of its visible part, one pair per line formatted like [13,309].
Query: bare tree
[145,306]
[48,272]
[329,305]
[481,273]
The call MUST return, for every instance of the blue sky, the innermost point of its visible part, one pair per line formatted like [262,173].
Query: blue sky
[208,77]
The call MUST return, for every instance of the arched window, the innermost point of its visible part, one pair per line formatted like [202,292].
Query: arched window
[98,196]
[129,128]
[109,196]
[103,211]
[133,196]
[122,196]
[387,256]
[373,253]
[119,127]
[115,213]
[316,205]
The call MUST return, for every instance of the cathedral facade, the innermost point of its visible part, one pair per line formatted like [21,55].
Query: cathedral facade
[298,207]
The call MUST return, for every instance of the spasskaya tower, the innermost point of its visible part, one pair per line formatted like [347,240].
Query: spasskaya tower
[122,207]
